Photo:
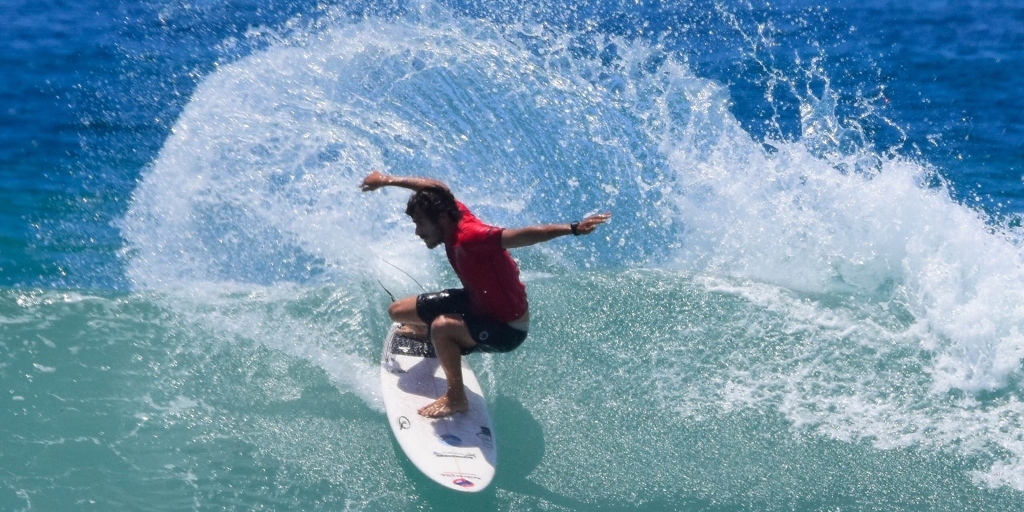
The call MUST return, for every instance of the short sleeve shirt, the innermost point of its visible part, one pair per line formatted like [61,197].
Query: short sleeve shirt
[488,273]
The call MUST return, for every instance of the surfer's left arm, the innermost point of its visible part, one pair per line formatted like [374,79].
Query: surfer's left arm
[530,235]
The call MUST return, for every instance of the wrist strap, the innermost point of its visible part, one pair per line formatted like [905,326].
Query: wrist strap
[573,227]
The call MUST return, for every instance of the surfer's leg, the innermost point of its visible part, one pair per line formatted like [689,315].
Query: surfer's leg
[403,311]
[449,335]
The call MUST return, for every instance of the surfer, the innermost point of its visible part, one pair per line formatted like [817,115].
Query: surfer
[490,312]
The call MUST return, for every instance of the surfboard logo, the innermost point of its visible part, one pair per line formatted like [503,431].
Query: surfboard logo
[403,423]
[485,436]
[462,482]
[455,455]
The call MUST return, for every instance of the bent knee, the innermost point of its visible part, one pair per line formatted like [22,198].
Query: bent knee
[403,310]
[395,310]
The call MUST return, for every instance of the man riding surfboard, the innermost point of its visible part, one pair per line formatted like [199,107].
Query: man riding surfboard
[490,312]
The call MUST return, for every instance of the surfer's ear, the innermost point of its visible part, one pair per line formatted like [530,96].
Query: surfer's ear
[446,222]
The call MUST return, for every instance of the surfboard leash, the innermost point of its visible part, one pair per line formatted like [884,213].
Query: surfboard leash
[386,291]
[393,299]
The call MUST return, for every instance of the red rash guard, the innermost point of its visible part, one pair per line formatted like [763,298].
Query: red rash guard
[488,273]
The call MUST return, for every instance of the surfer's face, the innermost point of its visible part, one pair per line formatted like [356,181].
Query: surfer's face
[429,231]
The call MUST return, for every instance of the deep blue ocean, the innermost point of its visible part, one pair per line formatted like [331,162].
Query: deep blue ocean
[810,297]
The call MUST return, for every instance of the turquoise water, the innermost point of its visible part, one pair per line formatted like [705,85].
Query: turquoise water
[808,297]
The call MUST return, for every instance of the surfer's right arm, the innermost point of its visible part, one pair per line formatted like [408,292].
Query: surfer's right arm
[377,179]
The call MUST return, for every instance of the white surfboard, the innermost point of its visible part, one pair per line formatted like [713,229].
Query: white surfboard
[457,452]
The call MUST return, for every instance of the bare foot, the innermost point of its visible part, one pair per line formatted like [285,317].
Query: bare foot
[413,332]
[444,406]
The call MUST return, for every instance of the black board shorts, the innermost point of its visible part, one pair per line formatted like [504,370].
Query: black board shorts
[490,335]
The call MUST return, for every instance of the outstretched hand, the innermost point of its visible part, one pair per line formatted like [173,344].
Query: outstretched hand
[589,224]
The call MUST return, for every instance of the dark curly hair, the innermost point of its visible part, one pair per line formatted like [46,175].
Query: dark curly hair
[433,201]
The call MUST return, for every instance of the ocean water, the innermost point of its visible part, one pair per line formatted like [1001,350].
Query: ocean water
[809,297]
